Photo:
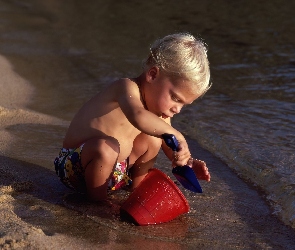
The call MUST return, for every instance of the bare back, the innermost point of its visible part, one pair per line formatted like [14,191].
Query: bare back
[102,116]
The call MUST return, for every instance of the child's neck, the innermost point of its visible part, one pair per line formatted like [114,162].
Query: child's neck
[140,83]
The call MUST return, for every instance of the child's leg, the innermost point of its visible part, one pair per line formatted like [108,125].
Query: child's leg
[99,156]
[143,156]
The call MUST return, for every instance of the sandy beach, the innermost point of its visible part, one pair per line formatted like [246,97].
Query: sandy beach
[37,212]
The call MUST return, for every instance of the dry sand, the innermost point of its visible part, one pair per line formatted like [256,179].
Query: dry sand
[37,212]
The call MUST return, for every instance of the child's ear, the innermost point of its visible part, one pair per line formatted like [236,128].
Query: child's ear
[152,73]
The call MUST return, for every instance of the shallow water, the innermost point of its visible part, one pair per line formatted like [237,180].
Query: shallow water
[247,117]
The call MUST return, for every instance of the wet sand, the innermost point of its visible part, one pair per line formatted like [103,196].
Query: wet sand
[37,212]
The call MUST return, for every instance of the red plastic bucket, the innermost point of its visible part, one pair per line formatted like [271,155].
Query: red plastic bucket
[156,200]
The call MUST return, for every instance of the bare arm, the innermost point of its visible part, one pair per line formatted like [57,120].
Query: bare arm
[145,121]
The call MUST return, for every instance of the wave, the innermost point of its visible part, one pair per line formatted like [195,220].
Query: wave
[277,185]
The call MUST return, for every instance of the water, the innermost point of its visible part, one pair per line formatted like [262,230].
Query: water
[247,117]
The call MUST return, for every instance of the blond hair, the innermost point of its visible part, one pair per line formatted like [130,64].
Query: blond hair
[181,55]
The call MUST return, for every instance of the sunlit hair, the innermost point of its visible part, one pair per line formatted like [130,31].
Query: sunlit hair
[181,55]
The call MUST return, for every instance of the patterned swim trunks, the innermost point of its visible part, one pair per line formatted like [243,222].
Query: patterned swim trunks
[69,169]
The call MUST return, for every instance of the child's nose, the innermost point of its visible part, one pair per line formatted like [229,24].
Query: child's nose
[176,109]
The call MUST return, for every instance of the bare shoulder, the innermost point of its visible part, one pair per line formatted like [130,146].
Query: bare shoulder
[125,84]
[116,90]
[123,88]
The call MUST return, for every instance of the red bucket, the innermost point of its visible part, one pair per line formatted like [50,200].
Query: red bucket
[156,200]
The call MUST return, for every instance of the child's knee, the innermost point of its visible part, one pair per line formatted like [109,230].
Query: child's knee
[153,146]
[144,143]
[106,150]
[145,148]
[109,150]
[156,143]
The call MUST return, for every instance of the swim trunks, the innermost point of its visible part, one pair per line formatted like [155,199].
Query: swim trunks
[69,169]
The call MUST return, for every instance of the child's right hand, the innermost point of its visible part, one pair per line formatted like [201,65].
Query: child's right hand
[182,155]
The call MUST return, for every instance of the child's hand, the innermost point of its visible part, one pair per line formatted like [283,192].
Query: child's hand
[200,169]
[181,157]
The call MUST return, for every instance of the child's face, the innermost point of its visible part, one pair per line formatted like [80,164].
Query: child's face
[166,96]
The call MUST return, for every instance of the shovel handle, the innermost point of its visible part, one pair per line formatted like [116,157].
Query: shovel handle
[170,141]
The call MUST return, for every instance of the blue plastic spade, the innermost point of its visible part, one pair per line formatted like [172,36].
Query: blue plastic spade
[184,174]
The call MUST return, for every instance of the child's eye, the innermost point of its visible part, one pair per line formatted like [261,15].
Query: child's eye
[174,98]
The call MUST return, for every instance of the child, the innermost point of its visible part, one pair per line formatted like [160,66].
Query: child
[120,128]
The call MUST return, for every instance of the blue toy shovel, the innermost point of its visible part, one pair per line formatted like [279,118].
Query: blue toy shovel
[184,174]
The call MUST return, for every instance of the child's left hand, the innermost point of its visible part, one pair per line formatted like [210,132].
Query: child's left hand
[200,169]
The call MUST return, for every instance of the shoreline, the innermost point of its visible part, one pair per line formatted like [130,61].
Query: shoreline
[36,213]
[50,49]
